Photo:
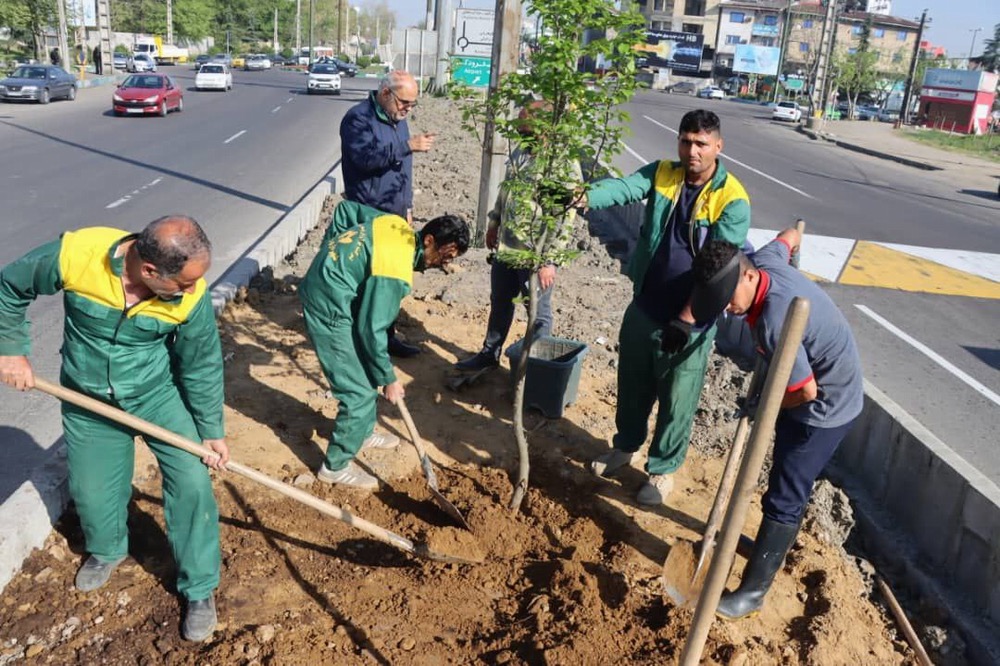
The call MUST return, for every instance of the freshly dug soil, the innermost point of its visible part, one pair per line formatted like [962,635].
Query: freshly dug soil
[574,578]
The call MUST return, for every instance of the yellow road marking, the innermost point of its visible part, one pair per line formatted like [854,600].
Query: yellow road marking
[872,265]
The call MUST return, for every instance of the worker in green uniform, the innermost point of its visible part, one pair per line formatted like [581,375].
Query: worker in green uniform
[139,335]
[350,296]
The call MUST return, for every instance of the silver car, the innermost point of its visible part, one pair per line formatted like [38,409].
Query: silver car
[38,83]
[143,62]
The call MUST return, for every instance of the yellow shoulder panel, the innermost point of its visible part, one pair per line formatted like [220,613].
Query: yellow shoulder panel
[393,247]
[174,312]
[731,191]
[668,179]
[85,267]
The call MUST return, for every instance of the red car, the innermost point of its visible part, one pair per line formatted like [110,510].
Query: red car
[146,93]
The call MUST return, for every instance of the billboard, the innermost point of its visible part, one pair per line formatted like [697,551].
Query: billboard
[960,79]
[679,51]
[756,59]
[82,13]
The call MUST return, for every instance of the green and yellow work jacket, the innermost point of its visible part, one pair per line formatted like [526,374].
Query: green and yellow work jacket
[721,211]
[109,351]
[362,273]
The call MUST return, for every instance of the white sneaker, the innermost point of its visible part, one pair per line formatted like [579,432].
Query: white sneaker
[608,463]
[380,440]
[655,491]
[351,476]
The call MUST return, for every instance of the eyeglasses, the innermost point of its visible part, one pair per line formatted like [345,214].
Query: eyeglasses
[405,103]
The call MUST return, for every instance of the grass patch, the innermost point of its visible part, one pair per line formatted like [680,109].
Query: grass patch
[986,146]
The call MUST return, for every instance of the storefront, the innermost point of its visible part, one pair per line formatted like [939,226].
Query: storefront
[957,100]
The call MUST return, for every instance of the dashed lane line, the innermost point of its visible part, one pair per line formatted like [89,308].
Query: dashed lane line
[235,136]
[128,197]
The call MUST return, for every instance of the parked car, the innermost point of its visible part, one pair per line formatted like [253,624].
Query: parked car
[146,94]
[39,83]
[224,58]
[143,62]
[866,112]
[213,76]
[789,111]
[201,60]
[684,87]
[255,63]
[711,92]
[324,77]
[278,60]
[122,61]
[886,116]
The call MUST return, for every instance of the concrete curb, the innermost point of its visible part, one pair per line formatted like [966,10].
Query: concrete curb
[931,512]
[27,516]
[823,136]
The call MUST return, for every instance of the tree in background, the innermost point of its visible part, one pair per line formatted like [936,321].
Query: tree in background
[27,21]
[582,120]
[991,51]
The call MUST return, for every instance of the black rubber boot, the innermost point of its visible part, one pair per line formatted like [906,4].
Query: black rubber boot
[769,550]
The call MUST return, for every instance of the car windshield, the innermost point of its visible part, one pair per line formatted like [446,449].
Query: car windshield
[143,82]
[211,69]
[29,73]
[787,105]
[324,69]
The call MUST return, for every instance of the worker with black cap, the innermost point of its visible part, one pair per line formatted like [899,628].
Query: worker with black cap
[823,398]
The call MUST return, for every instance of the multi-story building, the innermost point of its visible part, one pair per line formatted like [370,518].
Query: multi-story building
[699,17]
[755,22]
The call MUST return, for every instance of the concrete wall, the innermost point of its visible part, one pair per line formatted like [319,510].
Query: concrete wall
[910,484]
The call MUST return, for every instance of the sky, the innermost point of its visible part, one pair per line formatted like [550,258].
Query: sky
[951,26]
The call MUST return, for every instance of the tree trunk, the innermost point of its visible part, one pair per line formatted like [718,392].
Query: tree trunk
[520,372]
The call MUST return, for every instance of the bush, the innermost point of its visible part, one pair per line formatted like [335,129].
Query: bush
[364,61]
[375,60]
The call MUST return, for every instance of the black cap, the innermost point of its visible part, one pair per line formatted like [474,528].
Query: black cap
[710,298]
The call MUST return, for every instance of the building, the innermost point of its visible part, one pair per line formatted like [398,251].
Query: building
[699,17]
[745,22]
[957,100]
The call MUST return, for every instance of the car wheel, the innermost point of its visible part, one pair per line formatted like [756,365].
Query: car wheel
[44,97]
[71,95]
[180,105]
[163,109]
[336,92]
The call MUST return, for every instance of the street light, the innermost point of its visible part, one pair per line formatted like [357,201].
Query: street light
[972,48]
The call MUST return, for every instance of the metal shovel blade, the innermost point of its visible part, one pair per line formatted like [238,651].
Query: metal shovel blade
[428,469]
[682,578]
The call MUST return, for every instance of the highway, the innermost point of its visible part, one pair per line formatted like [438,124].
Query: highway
[235,161]
[846,195]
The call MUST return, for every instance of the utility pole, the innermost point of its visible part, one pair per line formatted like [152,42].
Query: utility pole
[298,30]
[783,52]
[972,49]
[312,3]
[104,34]
[904,115]
[274,41]
[340,24]
[170,22]
[61,42]
[443,25]
[822,63]
[429,23]
[506,42]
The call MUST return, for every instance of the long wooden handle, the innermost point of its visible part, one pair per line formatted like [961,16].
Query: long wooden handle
[418,444]
[164,435]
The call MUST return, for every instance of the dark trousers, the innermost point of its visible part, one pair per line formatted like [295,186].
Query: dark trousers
[801,452]
[506,284]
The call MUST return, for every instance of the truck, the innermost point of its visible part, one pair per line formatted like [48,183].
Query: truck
[163,54]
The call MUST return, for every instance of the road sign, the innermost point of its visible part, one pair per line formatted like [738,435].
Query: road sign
[473,72]
[473,32]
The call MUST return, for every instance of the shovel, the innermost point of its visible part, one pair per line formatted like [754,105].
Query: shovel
[162,434]
[683,572]
[425,464]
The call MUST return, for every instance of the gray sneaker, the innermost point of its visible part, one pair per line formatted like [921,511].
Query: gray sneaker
[380,440]
[655,491]
[608,463]
[200,620]
[94,573]
[351,476]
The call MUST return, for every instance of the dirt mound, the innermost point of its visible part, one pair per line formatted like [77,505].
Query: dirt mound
[574,578]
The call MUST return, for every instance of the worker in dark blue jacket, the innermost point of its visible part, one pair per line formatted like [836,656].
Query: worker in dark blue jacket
[378,157]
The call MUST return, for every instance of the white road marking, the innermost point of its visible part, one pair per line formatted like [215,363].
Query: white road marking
[235,136]
[822,256]
[275,109]
[982,264]
[289,100]
[742,164]
[931,354]
[128,197]
[636,155]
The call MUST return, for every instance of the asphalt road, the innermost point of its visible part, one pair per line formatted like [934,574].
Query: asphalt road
[849,195]
[235,161]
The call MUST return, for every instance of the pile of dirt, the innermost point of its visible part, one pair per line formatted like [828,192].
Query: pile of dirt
[573,578]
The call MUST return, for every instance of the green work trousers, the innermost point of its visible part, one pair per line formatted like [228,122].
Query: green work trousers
[340,353]
[101,458]
[646,375]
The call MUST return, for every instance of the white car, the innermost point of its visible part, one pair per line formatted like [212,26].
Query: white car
[787,111]
[143,62]
[711,92]
[323,78]
[213,76]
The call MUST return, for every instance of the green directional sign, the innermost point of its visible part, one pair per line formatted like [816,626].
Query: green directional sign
[794,84]
[472,71]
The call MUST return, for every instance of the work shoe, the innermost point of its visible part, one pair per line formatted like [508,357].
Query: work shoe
[769,550]
[95,573]
[480,361]
[199,620]
[401,349]
[351,476]
[608,463]
[655,491]
[380,440]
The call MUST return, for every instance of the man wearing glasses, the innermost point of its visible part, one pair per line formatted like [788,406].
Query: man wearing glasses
[378,157]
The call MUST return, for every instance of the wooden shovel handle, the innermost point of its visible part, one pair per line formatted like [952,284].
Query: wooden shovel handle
[164,435]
